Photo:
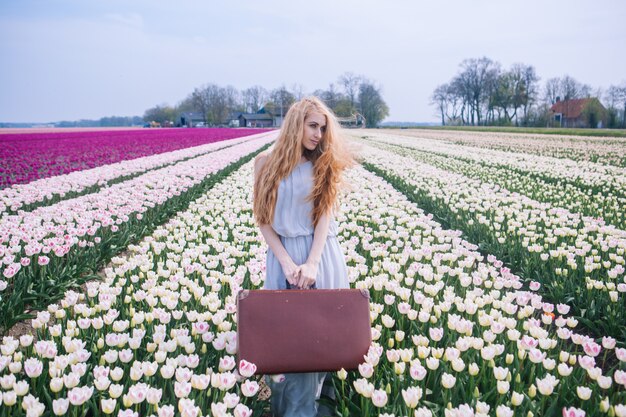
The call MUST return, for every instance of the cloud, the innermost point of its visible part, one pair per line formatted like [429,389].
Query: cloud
[134,20]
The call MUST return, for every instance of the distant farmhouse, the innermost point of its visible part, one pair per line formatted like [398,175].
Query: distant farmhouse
[190,119]
[581,113]
[356,120]
[265,117]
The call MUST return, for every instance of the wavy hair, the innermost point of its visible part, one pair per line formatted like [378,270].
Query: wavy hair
[330,158]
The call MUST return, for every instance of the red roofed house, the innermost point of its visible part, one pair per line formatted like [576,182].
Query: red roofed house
[580,112]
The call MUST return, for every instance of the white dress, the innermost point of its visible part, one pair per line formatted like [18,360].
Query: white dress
[296,395]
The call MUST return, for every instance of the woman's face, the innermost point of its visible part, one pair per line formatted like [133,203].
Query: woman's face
[314,128]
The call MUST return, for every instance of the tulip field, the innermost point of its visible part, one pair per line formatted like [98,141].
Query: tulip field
[496,279]
[30,156]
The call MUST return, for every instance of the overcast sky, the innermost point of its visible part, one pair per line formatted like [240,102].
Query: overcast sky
[85,59]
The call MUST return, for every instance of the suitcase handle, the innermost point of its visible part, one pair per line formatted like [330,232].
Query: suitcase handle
[243,294]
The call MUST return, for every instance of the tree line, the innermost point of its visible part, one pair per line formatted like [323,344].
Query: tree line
[109,121]
[352,93]
[483,93]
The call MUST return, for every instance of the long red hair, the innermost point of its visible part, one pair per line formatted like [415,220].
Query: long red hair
[330,158]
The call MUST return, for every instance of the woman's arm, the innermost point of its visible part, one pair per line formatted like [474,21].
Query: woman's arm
[290,269]
[308,271]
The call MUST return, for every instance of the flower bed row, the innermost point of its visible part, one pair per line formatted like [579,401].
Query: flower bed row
[26,157]
[602,205]
[155,337]
[598,178]
[47,250]
[457,331]
[51,190]
[578,259]
[603,150]
[454,333]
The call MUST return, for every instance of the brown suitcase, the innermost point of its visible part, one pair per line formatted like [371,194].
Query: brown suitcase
[285,331]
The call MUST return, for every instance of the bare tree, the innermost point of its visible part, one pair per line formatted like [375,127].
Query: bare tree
[282,99]
[440,99]
[515,88]
[331,97]
[492,95]
[350,83]
[474,78]
[453,106]
[298,91]
[201,99]
[616,99]
[254,97]
[186,104]
[573,89]
[531,83]
[502,97]
[227,101]
[623,98]
[215,102]
[552,90]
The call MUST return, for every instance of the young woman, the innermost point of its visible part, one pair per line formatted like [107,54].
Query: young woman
[295,194]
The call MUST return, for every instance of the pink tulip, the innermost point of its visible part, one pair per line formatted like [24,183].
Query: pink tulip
[249,388]
[166,411]
[418,372]
[412,396]
[79,395]
[379,398]
[226,363]
[608,342]
[536,356]
[528,342]
[366,370]
[33,367]
[242,411]
[436,334]
[573,412]
[586,362]
[246,369]
[201,327]
[592,348]
[182,389]
[563,308]
[620,377]
[231,399]
[60,406]
[137,393]
[227,381]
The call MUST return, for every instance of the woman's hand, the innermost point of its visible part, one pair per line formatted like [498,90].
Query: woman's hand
[308,275]
[292,272]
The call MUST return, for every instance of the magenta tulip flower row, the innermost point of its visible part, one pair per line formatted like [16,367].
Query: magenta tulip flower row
[28,157]
[58,227]
[15,197]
